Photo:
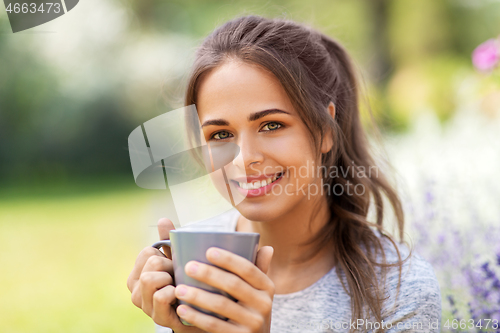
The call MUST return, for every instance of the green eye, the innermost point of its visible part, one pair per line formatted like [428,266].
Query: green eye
[271,126]
[221,135]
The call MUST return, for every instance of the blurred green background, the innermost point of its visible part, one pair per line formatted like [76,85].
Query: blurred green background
[72,219]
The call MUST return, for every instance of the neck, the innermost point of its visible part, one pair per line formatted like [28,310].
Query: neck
[286,236]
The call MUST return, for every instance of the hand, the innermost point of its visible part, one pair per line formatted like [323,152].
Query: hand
[243,280]
[151,284]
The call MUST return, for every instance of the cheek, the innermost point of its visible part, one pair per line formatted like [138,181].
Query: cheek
[217,179]
[226,189]
[294,152]
[220,179]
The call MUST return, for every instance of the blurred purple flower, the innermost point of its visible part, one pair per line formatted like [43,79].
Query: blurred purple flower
[483,284]
[429,197]
[466,258]
[487,55]
[441,238]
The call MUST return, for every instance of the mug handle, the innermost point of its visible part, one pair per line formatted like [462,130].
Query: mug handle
[159,244]
[167,243]
[162,243]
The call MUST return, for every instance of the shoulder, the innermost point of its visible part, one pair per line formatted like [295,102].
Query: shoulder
[413,293]
[414,267]
[415,270]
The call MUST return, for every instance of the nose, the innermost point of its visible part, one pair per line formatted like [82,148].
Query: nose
[250,153]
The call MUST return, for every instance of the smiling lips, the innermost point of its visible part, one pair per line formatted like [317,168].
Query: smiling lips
[257,187]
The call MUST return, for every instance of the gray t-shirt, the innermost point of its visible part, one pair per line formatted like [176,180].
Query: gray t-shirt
[325,306]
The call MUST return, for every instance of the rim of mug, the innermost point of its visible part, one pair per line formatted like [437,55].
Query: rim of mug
[216,232]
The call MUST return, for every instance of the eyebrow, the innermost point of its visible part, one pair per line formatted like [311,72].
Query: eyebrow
[252,117]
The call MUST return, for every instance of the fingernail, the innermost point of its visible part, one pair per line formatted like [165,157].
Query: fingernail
[181,311]
[214,253]
[181,290]
[193,268]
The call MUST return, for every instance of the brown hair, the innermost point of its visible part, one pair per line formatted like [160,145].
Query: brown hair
[314,70]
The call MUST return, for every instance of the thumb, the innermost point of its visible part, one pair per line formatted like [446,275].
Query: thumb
[164,227]
[264,256]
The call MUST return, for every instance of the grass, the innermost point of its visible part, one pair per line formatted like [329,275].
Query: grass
[66,254]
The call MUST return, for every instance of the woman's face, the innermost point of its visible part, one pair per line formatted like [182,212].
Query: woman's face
[274,172]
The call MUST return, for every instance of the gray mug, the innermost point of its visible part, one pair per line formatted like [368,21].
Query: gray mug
[187,245]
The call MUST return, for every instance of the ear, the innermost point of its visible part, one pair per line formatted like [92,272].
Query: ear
[327,143]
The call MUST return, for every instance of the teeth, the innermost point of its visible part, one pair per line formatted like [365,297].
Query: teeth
[257,184]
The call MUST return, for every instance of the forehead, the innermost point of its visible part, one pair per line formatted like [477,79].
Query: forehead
[242,87]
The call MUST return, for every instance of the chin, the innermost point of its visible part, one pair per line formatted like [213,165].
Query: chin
[260,211]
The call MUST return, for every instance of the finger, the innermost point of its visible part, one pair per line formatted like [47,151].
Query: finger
[141,260]
[150,283]
[205,322]
[164,227]
[264,257]
[239,266]
[163,312]
[215,303]
[226,281]
[158,264]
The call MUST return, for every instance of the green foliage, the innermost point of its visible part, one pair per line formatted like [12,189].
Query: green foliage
[429,85]
[58,121]
[45,133]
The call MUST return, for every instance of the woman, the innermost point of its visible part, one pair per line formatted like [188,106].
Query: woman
[287,95]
